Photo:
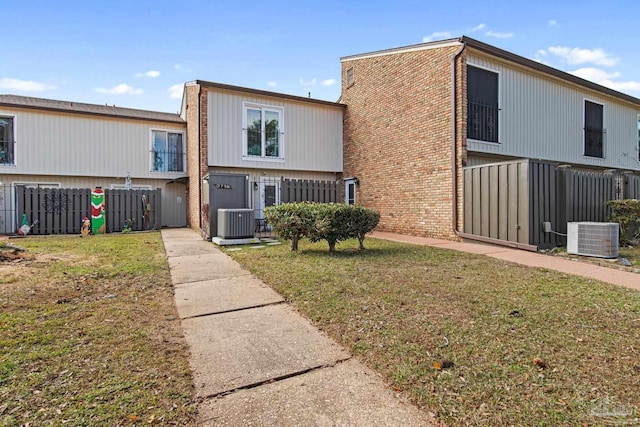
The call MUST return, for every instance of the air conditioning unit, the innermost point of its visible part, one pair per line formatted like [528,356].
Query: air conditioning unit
[235,223]
[596,239]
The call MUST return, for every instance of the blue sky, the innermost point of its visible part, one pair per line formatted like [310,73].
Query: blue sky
[138,54]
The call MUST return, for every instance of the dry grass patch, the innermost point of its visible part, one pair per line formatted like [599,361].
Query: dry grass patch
[89,335]
[411,312]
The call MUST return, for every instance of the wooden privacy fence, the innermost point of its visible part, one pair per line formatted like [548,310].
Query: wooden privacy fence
[510,200]
[61,210]
[293,190]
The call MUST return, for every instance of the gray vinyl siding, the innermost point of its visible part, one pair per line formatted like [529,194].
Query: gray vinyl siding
[50,143]
[542,117]
[312,133]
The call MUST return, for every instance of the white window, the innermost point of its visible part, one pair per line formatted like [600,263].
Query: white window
[37,184]
[133,187]
[167,151]
[7,141]
[263,135]
[350,185]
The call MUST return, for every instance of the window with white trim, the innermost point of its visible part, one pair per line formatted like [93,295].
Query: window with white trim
[482,104]
[7,141]
[350,190]
[594,131]
[263,135]
[168,152]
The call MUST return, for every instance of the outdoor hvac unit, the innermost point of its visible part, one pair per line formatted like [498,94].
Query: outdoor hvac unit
[235,223]
[597,239]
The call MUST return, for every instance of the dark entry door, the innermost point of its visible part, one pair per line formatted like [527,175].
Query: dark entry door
[226,191]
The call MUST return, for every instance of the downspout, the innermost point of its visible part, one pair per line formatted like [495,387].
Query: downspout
[454,169]
[199,158]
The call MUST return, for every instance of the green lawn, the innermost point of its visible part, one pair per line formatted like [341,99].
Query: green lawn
[89,335]
[405,309]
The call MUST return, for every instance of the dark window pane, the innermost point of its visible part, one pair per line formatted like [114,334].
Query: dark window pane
[271,133]
[351,193]
[254,132]
[269,195]
[175,156]
[482,104]
[6,140]
[593,129]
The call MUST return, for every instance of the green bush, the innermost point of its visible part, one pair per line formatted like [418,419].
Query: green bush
[361,222]
[627,214]
[321,221]
[291,221]
[331,224]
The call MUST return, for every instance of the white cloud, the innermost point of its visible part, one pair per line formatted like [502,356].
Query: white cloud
[577,56]
[120,89]
[272,83]
[151,74]
[311,82]
[604,78]
[498,35]
[553,23]
[24,85]
[595,74]
[177,67]
[542,52]
[438,35]
[329,82]
[175,91]
[628,86]
[477,28]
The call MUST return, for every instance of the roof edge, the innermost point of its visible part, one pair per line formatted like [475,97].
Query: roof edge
[405,49]
[266,93]
[121,112]
[529,63]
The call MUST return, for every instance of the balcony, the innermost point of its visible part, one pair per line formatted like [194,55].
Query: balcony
[482,122]
[594,142]
[168,161]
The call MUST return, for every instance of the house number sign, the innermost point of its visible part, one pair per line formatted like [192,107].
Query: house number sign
[222,186]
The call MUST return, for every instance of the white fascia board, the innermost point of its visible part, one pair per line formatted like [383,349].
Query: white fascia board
[414,48]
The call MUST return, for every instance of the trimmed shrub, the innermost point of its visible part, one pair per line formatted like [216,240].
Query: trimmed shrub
[627,214]
[332,222]
[361,222]
[291,221]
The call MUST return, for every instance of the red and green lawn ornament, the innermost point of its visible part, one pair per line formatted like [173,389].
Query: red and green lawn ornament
[24,228]
[98,224]
[86,226]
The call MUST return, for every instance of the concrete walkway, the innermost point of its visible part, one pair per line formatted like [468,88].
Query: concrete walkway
[532,259]
[256,362]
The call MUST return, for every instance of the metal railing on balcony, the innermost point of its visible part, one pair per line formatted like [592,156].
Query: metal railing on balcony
[594,139]
[6,152]
[168,161]
[482,122]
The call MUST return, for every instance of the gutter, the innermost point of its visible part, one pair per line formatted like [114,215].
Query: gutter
[200,156]
[454,169]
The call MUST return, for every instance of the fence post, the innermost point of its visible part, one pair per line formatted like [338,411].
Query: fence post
[564,198]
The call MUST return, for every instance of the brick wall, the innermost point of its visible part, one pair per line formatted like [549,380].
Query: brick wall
[397,138]
[197,161]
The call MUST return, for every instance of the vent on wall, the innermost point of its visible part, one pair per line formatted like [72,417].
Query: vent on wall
[235,223]
[597,239]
